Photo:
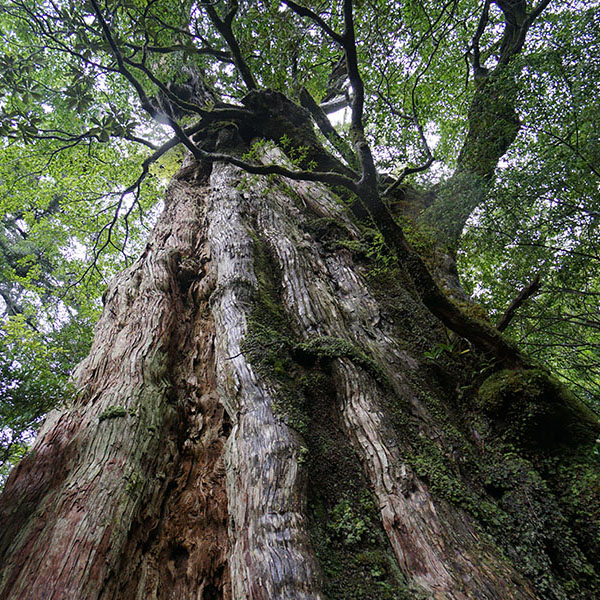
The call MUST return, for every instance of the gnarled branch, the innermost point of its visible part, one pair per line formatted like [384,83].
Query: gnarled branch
[224,28]
[327,129]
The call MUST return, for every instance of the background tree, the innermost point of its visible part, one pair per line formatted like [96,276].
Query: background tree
[541,217]
[59,193]
[289,394]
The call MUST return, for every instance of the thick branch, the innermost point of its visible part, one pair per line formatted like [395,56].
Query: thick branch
[145,101]
[517,24]
[348,42]
[327,129]
[527,292]
[365,158]
[327,177]
[334,105]
[476,56]
[536,12]
[483,336]
[219,54]
[313,16]
[493,125]
[224,28]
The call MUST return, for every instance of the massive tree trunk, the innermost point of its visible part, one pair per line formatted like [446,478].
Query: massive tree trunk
[270,412]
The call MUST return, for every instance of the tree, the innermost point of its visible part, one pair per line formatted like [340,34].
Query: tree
[288,394]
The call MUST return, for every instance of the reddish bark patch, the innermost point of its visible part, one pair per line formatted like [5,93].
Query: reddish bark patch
[184,554]
[31,482]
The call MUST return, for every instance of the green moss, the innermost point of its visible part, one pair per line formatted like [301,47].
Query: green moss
[133,485]
[501,386]
[414,326]
[268,350]
[577,481]
[533,409]
[329,232]
[112,412]
[344,520]
[328,348]
[506,495]
[513,499]
[383,260]
[344,523]
[473,310]
[272,349]
[516,507]
[269,340]
[540,518]
[444,482]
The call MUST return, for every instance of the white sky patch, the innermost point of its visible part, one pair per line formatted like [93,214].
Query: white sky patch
[340,117]
[74,250]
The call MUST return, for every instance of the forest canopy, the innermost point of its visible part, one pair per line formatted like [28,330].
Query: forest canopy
[97,102]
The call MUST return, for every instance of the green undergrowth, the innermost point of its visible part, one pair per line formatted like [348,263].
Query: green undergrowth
[534,413]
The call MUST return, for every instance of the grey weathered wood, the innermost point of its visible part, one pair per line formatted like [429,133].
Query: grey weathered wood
[271,555]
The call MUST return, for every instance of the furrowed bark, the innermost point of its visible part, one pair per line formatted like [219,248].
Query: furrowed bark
[424,543]
[83,514]
[273,408]
[265,413]
[271,555]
